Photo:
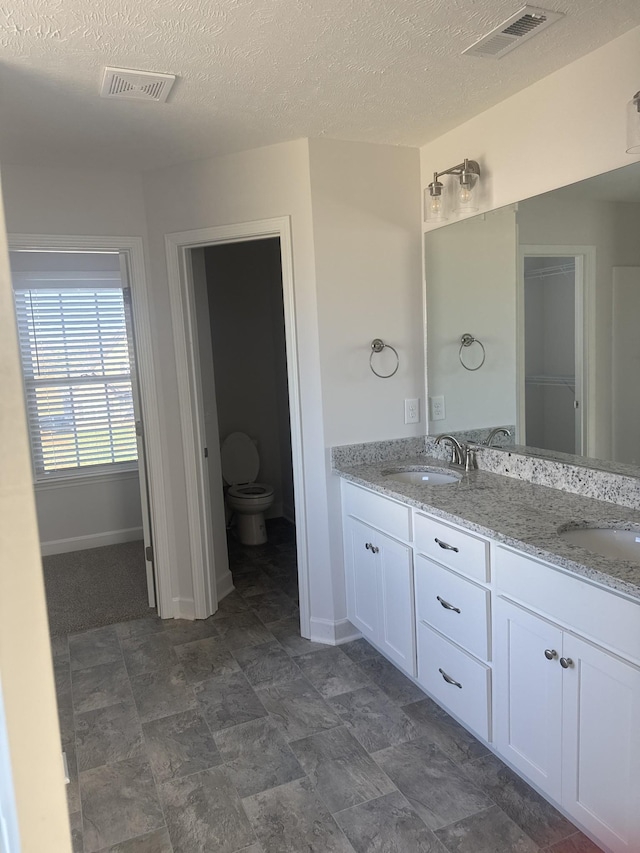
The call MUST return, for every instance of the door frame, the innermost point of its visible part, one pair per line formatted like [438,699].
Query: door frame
[585,348]
[133,249]
[178,246]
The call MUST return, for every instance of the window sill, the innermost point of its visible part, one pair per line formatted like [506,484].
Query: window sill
[65,481]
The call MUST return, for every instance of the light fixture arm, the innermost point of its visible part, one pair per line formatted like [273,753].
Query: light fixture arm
[466,171]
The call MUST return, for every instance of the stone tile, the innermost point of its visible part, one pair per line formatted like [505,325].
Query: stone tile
[435,724]
[75,824]
[62,675]
[139,627]
[373,718]
[533,814]
[577,843]
[108,735]
[253,583]
[148,652]
[267,664]
[298,709]
[230,605]
[205,659]
[331,672]
[163,692]
[73,789]
[228,701]
[99,686]
[91,648]
[257,756]
[60,647]
[272,606]
[243,629]
[119,802]
[291,818]
[65,718]
[435,787]
[487,831]
[152,842]
[179,746]
[184,631]
[342,773]
[359,650]
[204,812]
[390,680]
[387,825]
[287,632]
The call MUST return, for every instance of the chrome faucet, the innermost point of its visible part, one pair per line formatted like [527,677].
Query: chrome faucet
[458,452]
[494,432]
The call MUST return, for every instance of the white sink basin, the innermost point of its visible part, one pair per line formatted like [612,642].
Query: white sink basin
[611,542]
[423,477]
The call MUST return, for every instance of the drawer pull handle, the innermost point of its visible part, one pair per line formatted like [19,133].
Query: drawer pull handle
[449,680]
[446,546]
[371,547]
[565,663]
[550,654]
[447,606]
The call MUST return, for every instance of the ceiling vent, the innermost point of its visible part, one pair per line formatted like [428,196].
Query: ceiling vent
[513,32]
[125,83]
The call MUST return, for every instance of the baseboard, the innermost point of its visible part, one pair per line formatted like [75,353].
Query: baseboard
[93,540]
[184,608]
[333,633]
[224,585]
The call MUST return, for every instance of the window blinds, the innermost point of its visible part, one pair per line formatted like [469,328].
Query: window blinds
[77,375]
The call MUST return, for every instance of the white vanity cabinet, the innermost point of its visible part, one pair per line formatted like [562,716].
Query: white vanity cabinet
[567,708]
[379,573]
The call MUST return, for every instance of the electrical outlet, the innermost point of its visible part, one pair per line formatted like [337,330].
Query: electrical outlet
[412,411]
[437,408]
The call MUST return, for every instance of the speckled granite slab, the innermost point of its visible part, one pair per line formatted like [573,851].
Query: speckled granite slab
[511,511]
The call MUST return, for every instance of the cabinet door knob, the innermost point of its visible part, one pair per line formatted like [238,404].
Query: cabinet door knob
[446,545]
[447,606]
[374,549]
[565,663]
[367,545]
[550,654]
[449,680]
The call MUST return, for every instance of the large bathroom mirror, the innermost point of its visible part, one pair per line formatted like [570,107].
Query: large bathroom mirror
[550,291]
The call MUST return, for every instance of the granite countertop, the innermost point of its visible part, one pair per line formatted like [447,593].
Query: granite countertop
[513,512]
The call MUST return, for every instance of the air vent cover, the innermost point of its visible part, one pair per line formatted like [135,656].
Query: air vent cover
[513,32]
[136,85]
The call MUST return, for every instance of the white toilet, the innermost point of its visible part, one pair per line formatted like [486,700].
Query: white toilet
[248,499]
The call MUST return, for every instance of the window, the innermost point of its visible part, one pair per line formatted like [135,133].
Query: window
[74,347]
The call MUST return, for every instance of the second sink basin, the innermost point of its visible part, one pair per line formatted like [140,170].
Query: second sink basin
[422,476]
[614,542]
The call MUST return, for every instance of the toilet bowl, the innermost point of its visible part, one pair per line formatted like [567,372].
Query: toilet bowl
[246,498]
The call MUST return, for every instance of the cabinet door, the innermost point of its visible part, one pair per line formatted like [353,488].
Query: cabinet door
[528,694]
[601,744]
[396,636]
[361,575]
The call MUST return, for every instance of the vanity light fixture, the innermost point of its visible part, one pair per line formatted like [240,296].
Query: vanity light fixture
[468,173]
[633,125]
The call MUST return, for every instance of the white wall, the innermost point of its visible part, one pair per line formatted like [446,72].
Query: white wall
[470,272]
[626,364]
[25,654]
[244,283]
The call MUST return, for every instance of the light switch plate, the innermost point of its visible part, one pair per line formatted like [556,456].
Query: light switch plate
[412,410]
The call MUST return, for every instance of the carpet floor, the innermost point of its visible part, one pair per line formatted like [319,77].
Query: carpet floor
[96,587]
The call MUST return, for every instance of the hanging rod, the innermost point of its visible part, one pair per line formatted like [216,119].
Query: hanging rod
[545,272]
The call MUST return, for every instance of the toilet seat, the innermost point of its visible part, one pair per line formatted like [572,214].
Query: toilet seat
[239,459]
[246,491]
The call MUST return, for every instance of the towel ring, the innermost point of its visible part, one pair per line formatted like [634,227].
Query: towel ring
[377,345]
[465,341]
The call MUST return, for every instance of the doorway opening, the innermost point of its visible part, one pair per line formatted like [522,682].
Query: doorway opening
[78,353]
[201,436]
[553,357]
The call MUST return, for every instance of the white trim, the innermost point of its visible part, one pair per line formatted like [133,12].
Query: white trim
[91,540]
[187,365]
[224,585]
[333,633]
[184,608]
[84,480]
[140,295]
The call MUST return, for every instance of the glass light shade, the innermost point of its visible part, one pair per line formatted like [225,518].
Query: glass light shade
[633,125]
[466,197]
[434,207]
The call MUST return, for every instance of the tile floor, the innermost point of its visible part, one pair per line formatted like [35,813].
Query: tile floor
[235,734]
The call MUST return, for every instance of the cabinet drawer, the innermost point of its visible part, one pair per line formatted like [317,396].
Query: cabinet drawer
[453,605]
[379,512]
[450,546]
[608,619]
[437,658]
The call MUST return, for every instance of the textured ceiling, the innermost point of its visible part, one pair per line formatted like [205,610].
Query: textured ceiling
[255,72]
